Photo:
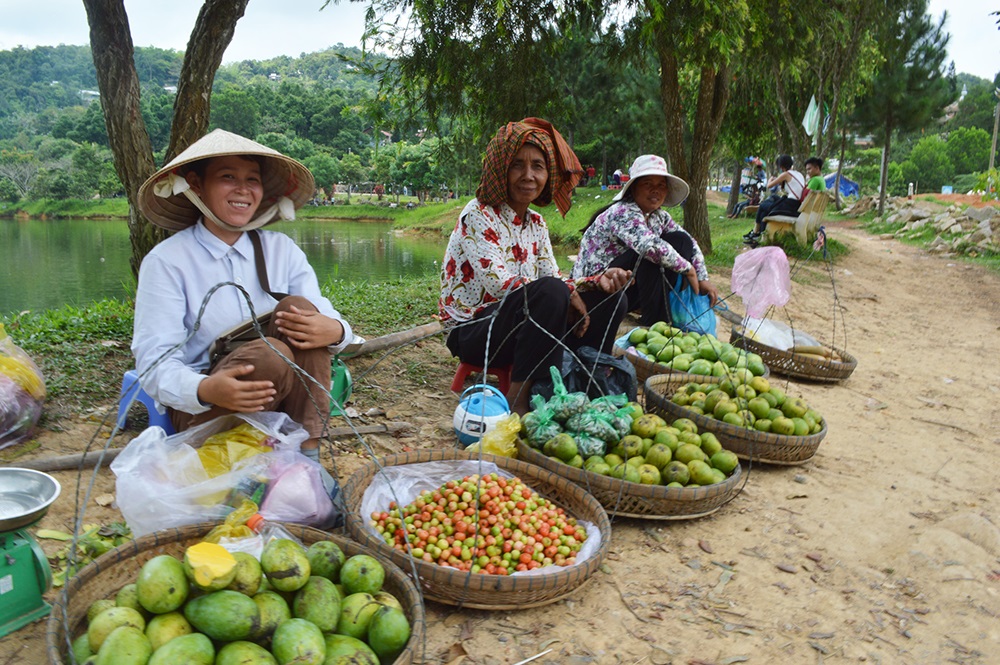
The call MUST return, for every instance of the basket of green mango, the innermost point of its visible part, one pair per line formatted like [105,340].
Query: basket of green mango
[750,417]
[662,349]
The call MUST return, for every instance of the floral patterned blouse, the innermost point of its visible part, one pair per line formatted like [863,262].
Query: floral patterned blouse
[625,226]
[493,250]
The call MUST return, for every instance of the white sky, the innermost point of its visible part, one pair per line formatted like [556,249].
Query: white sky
[268,28]
[292,27]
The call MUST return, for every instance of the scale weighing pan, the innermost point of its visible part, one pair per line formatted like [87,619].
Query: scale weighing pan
[25,497]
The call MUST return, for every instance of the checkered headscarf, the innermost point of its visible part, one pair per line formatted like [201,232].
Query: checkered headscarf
[564,167]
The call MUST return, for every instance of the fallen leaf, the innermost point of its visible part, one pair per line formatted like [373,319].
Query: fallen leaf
[787,568]
[351,412]
[456,654]
[104,500]
[705,546]
[466,632]
[52,534]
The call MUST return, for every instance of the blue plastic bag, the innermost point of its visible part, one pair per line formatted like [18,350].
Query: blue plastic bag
[690,311]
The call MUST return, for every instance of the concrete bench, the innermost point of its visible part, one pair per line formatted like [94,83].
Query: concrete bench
[808,222]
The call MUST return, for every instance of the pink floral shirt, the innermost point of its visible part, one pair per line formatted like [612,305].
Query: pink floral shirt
[493,250]
[624,226]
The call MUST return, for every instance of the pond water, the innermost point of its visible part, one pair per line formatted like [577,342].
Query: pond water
[47,264]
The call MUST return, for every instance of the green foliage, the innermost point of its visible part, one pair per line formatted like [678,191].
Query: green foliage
[928,166]
[976,109]
[8,191]
[865,172]
[378,308]
[969,149]
[989,184]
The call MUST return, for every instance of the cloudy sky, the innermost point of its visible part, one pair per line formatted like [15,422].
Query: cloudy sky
[292,27]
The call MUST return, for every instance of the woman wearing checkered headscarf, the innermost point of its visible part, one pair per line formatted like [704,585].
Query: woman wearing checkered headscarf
[500,284]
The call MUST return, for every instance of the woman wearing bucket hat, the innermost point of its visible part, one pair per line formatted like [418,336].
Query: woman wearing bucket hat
[212,195]
[500,285]
[634,232]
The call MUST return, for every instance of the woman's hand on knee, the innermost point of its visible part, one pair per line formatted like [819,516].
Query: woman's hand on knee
[226,389]
[307,329]
[614,280]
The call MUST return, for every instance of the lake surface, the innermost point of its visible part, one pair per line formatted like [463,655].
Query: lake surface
[48,264]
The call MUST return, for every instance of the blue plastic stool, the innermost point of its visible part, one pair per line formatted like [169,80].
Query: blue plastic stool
[132,390]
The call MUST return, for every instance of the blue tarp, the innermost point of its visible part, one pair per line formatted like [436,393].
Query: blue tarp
[847,186]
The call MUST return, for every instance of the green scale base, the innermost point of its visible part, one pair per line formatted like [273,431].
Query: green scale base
[24,576]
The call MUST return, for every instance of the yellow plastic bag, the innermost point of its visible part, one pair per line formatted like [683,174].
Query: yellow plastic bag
[19,368]
[502,439]
[220,452]
[235,524]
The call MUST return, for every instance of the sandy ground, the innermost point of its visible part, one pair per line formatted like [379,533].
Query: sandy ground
[884,548]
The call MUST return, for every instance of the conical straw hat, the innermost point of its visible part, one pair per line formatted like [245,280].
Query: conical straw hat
[283,176]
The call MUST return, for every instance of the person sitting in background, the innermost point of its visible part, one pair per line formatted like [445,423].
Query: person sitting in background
[634,232]
[215,195]
[814,171]
[784,202]
[500,284]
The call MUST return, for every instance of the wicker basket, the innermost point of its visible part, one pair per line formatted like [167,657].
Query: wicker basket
[796,365]
[106,575]
[479,590]
[747,443]
[650,502]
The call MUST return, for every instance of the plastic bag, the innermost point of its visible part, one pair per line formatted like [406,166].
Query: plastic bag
[502,439]
[761,278]
[404,483]
[564,403]
[689,311]
[609,403]
[295,492]
[594,373]
[235,524]
[595,423]
[776,334]
[22,392]
[588,445]
[540,424]
[220,452]
[160,481]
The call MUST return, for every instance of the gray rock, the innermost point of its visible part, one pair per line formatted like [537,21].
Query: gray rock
[919,213]
[980,214]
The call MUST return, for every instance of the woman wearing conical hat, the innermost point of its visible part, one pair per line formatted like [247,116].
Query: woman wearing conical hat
[212,194]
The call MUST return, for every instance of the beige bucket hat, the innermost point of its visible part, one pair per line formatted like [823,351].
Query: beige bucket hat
[165,199]
[656,165]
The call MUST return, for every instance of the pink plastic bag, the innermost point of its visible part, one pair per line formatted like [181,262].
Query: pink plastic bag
[761,278]
[296,493]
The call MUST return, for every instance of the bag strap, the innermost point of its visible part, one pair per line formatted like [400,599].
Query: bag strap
[258,255]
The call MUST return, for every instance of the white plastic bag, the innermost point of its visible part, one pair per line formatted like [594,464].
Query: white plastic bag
[160,481]
[404,483]
[777,334]
[761,278]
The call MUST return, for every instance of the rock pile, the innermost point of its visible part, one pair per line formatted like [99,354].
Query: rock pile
[971,231]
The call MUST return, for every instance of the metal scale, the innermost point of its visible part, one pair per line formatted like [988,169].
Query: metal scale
[25,575]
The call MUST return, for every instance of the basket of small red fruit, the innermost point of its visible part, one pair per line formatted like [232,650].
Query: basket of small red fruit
[484,532]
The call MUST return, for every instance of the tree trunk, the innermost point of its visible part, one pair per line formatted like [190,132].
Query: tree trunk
[118,82]
[734,188]
[111,45]
[840,169]
[213,30]
[710,107]
[884,179]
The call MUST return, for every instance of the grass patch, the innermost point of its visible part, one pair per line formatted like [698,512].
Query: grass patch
[378,308]
[82,352]
[67,208]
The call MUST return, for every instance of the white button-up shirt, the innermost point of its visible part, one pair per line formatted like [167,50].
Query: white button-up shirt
[173,281]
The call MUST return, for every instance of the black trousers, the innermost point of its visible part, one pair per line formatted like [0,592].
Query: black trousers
[651,287]
[777,205]
[521,328]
